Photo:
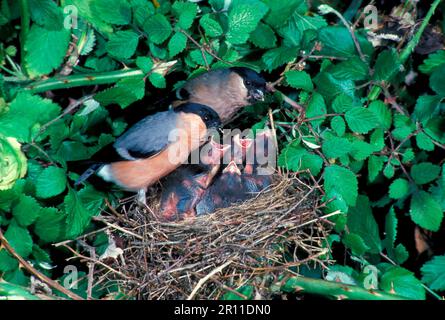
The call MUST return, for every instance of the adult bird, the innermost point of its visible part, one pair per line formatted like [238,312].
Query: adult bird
[224,90]
[153,147]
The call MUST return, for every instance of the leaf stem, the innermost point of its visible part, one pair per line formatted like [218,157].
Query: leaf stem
[406,52]
[78,80]
[25,22]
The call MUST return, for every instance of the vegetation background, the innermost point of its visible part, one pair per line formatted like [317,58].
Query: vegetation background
[364,114]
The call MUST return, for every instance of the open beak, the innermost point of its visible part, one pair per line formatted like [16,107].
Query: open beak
[232,168]
[257,94]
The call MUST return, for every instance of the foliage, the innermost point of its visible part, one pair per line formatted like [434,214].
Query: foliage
[378,158]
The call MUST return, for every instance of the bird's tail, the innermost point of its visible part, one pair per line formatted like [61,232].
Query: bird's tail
[89,172]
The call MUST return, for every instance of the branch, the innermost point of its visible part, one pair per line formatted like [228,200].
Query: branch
[36,273]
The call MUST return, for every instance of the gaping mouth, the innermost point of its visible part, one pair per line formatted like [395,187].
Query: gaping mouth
[232,168]
[219,147]
[243,143]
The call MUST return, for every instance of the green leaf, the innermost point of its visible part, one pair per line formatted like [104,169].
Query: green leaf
[341,183]
[388,171]
[337,41]
[51,182]
[263,37]
[276,57]
[375,165]
[157,28]
[330,87]
[342,103]
[427,107]
[46,13]
[112,11]
[361,120]
[402,282]
[336,147]
[22,121]
[377,140]
[281,11]
[177,44]
[338,125]
[361,221]
[400,254]
[316,108]
[390,230]
[424,172]
[425,211]
[299,80]
[124,93]
[19,239]
[157,80]
[387,63]
[436,81]
[351,69]
[78,217]
[122,44]
[424,142]
[355,243]
[434,60]
[296,158]
[211,27]
[243,19]
[398,188]
[144,63]
[50,225]
[45,50]
[361,150]
[186,13]
[433,273]
[26,211]
[7,262]
[382,113]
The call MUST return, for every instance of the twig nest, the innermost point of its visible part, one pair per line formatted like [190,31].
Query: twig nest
[251,243]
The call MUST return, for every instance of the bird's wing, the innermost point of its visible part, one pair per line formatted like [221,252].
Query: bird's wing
[147,137]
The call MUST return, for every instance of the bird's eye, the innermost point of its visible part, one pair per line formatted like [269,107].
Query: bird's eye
[206,118]
[248,83]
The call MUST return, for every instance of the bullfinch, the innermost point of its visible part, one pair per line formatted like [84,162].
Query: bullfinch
[154,147]
[224,90]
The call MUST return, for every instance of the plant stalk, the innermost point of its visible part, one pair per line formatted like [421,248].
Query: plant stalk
[25,22]
[404,55]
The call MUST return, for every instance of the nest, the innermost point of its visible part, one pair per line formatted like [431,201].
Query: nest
[253,243]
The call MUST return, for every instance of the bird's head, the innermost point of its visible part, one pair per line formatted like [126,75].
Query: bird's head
[254,83]
[209,116]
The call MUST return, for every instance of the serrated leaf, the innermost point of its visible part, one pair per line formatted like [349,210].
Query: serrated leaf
[19,239]
[424,142]
[382,113]
[186,13]
[338,125]
[342,103]
[436,81]
[434,60]
[402,282]
[388,171]
[177,44]
[112,11]
[26,210]
[361,120]
[336,147]
[377,140]
[50,225]
[316,108]
[124,93]
[78,217]
[7,262]
[398,188]
[263,36]
[400,254]
[375,165]
[157,80]
[243,19]
[351,69]
[361,221]
[355,243]
[390,230]
[122,44]
[281,11]
[296,158]
[361,150]
[341,183]
[144,63]
[158,28]
[330,87]
[45,50]
[46,13]
[387,63]
[276,57]
[23,122]
[51,182]
[425,211]
[299,80]
[424,172]
[427,107]
[211,27]
[433,273]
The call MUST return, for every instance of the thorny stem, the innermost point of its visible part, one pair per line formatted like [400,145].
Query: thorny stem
[404,55]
